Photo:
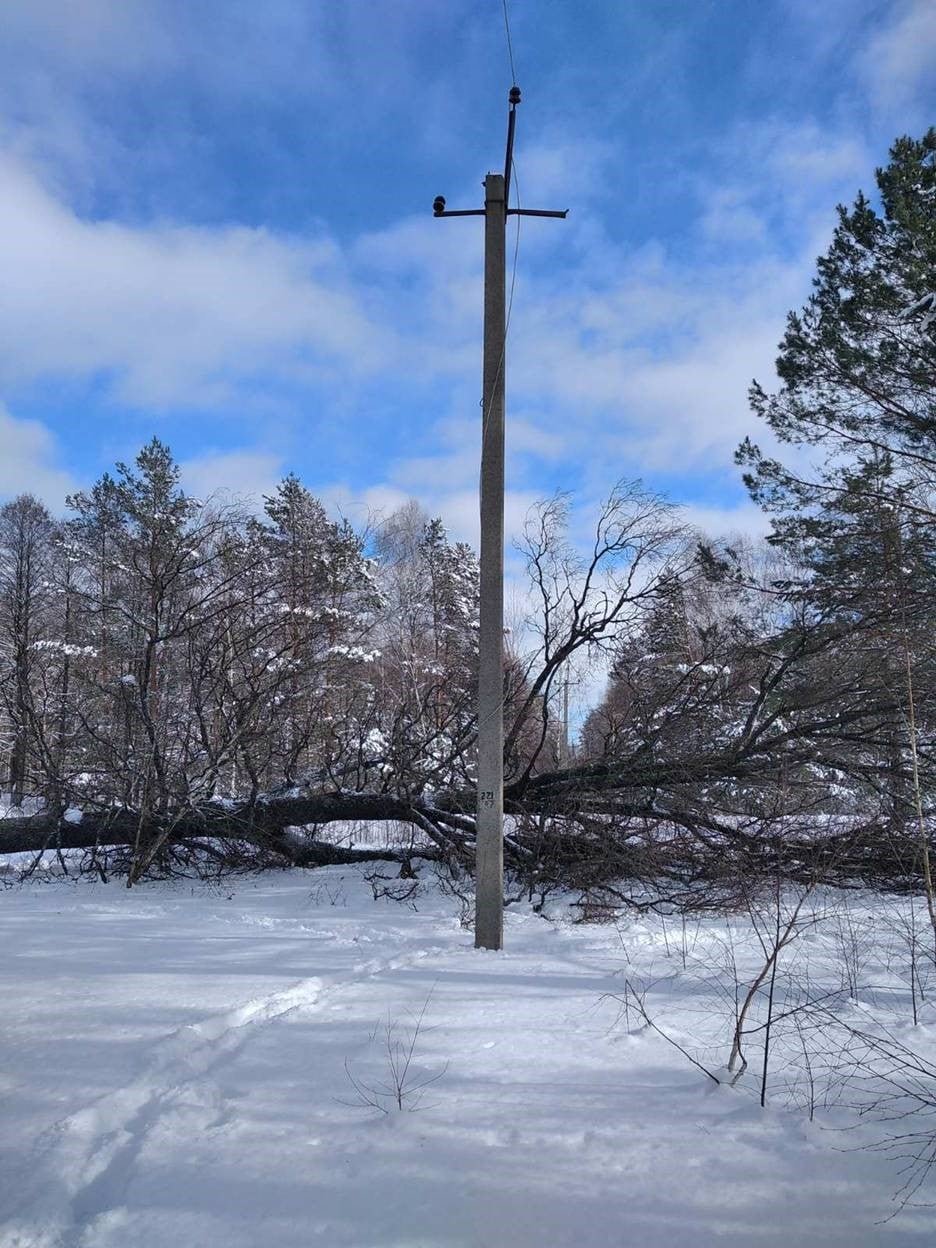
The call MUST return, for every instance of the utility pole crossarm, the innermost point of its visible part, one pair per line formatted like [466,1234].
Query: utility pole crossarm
[489,871]
[439,210]
[520,212]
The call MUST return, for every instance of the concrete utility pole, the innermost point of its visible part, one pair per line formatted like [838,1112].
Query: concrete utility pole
[489,873]
[489,868]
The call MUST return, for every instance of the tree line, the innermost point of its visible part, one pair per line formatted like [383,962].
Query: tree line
[192,682]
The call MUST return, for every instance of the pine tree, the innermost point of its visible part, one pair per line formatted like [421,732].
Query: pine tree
[428,665]
[320,586]
[858,363]
[26,532]
[858,396]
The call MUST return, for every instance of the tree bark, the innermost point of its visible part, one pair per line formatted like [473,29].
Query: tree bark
[264,824]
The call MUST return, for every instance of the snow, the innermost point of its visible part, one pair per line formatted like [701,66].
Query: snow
[175,1071]
[925,308]
[64,647]
[358,653]
[27,807]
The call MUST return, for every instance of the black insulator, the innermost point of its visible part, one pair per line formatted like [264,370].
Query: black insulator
[514,97]
[438,205]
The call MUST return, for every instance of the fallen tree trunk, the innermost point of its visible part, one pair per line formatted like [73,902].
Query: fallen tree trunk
[638,820]
[274,825]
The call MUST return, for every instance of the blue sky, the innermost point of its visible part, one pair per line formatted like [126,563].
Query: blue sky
[215,226]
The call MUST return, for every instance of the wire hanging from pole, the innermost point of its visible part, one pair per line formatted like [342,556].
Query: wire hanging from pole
[512,175]
[513,275]
[513,72]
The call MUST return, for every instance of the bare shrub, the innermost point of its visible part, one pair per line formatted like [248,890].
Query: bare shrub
[403,1084]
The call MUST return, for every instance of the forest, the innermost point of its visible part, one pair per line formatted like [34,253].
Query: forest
[190,686]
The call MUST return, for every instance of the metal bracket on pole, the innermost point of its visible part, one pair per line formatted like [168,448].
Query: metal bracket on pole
[438,209]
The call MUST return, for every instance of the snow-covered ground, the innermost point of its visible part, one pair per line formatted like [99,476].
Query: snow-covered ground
[185,1066]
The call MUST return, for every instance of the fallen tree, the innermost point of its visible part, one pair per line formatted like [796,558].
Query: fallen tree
[591,827]
[752,745]
[274,825]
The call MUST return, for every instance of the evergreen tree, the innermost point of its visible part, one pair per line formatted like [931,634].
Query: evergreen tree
[858,371]
[320,587]
[858,363]
[428,643]
[26,533]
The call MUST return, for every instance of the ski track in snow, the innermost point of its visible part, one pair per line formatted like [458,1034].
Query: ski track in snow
[558,1121]
[88,1157]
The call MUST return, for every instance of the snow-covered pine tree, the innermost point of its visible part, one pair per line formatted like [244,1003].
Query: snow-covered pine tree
[320,586]
[26,534]
[428,665]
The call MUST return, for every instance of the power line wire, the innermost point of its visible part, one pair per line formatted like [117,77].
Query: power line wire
[512,176]
[513,276]
[513,72]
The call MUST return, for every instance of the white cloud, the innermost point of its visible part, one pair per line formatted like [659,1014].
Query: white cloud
[246,475]
[899,62]
[363,506]
[327,64]
[532,437]
[460,513]
[652,374]
[558,166]
[807,159]
[627,364]
[172,314]
[623,361]
[457,506]
[29,462]
[95,35]
[744,520]
[727,219]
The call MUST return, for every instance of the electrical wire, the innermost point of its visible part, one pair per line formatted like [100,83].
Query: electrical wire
[513,72]
[515,182]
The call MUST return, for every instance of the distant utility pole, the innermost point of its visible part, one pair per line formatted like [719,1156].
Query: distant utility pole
[564,738]
[489,871]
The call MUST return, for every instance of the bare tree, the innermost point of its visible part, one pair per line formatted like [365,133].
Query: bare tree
[587,601]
